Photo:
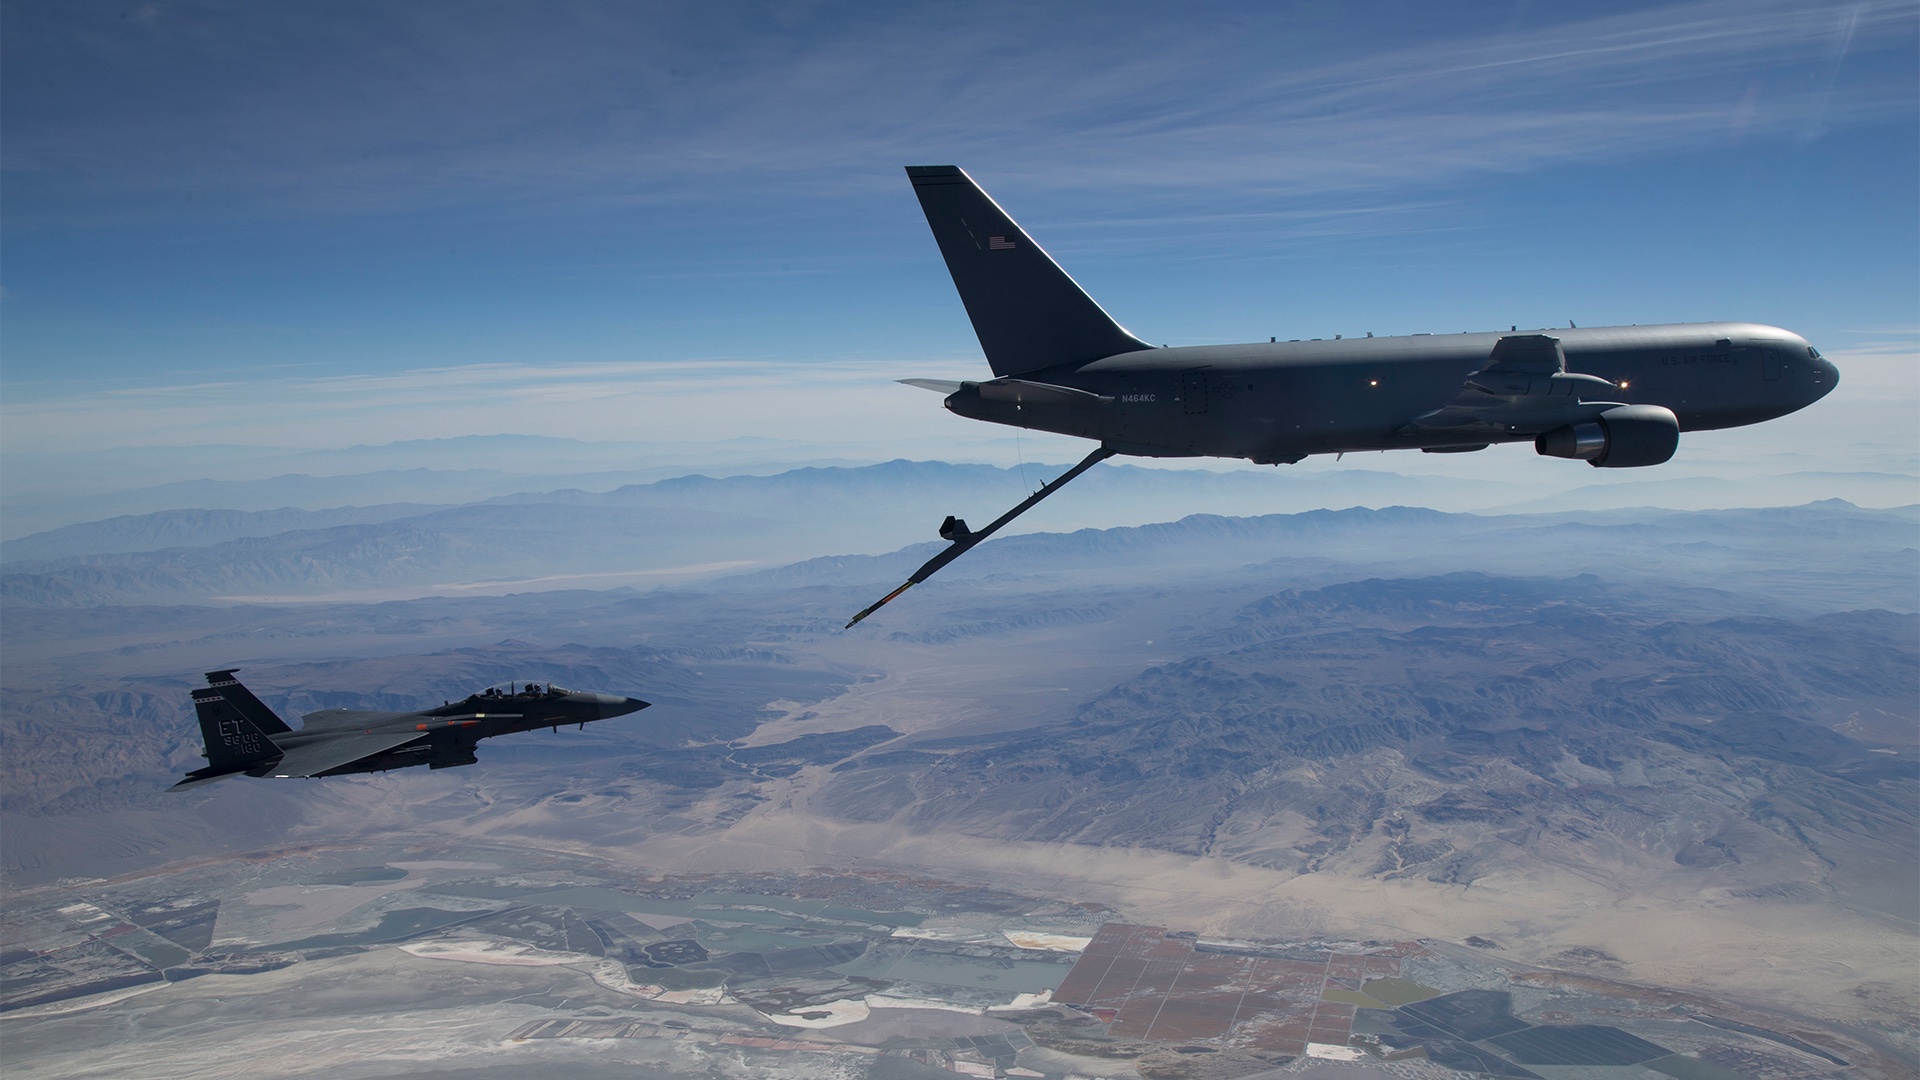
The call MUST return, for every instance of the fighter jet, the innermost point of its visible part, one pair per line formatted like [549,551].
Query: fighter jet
[242,735]
[1614,397]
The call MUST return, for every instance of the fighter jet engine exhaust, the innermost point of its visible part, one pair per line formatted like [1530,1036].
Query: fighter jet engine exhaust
[1628,437]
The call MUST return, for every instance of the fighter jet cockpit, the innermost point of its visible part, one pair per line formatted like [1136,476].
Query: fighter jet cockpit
[521,691]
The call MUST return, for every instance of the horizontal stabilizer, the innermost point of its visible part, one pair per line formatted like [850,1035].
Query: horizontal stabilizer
[202,776]
[1023,392]
[938,386]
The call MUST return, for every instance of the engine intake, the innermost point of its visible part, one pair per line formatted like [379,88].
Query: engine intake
[1625,437]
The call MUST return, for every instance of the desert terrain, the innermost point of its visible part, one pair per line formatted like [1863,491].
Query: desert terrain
[1661,757]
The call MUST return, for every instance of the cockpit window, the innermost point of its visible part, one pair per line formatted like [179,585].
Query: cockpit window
[525,690]
[1813,352]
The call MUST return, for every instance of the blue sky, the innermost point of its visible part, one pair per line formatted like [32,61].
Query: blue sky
[343,222]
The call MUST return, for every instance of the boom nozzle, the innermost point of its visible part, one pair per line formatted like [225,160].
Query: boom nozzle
[876,605]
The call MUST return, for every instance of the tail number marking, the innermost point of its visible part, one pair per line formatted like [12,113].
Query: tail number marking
[238,738]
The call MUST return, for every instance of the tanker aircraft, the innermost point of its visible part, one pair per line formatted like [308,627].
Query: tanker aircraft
[1614,397]
[243,735]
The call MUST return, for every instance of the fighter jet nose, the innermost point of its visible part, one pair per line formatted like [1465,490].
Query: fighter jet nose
[611,705]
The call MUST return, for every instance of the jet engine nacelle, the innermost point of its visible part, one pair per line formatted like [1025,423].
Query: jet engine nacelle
[1626,437]
[451,753]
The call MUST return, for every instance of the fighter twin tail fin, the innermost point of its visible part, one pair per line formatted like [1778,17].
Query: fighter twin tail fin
[242,699]
[231,721]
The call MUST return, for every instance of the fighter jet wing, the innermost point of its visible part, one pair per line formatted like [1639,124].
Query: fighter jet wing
[1525,388]
[314,758]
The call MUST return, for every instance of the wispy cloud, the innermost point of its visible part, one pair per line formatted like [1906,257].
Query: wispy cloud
[421,104]
[696,401]
[735,132]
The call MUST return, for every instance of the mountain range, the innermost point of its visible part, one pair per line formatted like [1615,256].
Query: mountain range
[697,527]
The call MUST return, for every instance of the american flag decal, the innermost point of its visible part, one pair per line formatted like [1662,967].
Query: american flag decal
[999,243]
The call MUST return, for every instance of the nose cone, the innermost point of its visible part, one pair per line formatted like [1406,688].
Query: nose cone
[1810,376]
[1824,377]
[611,705]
